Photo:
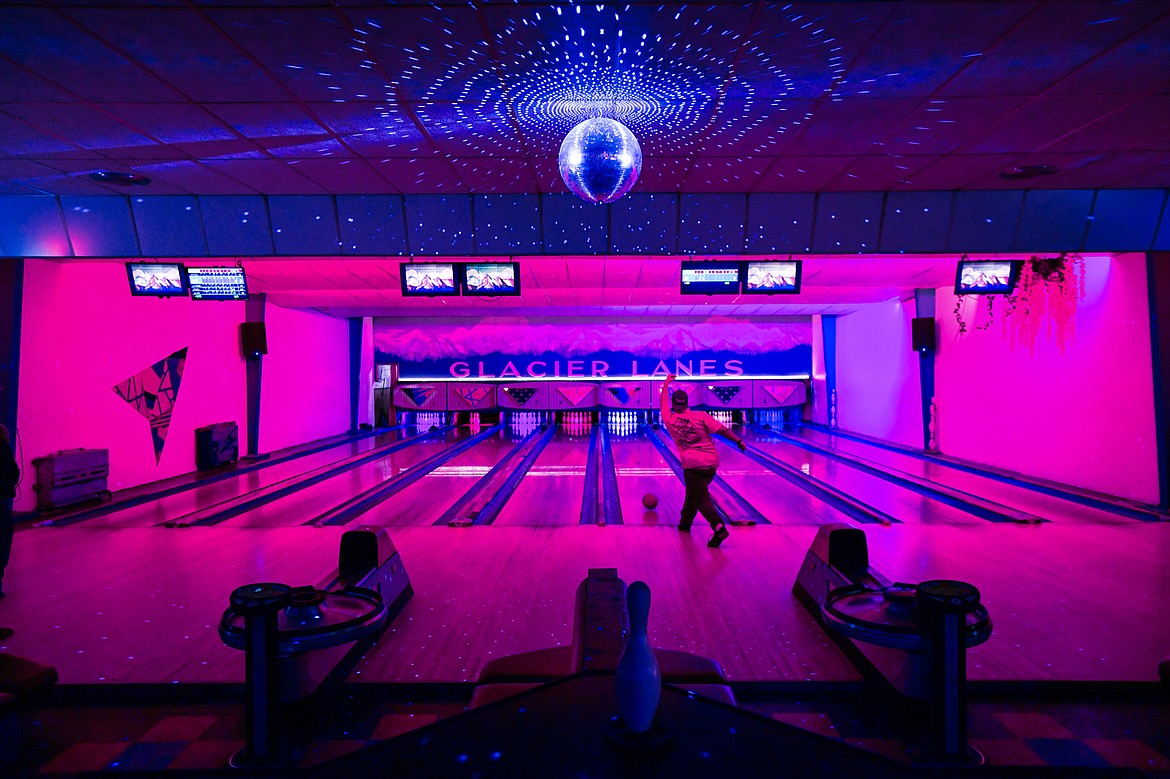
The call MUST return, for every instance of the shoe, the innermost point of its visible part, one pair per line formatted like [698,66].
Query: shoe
[720,536]
[684,527]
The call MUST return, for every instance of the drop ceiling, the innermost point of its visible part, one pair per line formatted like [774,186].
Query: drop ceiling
[218,97]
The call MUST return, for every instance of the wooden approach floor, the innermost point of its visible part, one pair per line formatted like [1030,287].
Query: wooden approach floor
[1077,602]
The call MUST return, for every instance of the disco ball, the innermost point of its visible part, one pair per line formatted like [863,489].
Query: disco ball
[600,160]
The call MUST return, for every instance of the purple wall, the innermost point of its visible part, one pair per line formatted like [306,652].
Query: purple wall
[1084,416]
[83,333]
[877,373]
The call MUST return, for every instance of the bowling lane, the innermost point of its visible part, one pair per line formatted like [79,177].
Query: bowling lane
[641,469]
[780,501]
[424,501]
[551,492]
[1032,501]
[170,507]
[310,502]
[899,502]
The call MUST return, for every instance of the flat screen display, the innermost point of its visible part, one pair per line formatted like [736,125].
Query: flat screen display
[714,277]
[491,278]
[428,278]
[217,283]
[986,277]
[772,277]
[157,279]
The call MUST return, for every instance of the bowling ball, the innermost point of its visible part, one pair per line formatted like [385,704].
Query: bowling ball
[650,500]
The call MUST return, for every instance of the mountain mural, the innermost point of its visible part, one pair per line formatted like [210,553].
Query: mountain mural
[394,341]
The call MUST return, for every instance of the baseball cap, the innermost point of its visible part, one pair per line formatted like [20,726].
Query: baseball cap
[679,398]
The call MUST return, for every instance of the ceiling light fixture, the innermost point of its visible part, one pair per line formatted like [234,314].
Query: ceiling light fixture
[600,160]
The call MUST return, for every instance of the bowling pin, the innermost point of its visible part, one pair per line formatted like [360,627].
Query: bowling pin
[639,680]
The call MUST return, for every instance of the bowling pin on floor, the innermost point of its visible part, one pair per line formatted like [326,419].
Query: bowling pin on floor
[639,680]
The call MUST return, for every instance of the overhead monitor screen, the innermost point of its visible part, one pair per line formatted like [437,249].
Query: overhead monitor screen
[157,279]
[986,277]
[772,277]
[428,278]
[217,283]
[709,277]
[491,278]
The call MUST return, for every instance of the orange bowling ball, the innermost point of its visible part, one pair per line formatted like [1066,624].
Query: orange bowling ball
[650,500]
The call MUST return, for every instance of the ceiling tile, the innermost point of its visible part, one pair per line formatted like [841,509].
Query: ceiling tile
[1043,121]
[22,85]
[57,49]
[943,37]
[801,174]
[312,52]
[267,120]
[942,125]
[714,174]
[855,126]
[484,175]
[180,123]
[420,175]
[272,177]
[374,129]
[19,138]
[344,176]
[84,125]
[963,171]
[462,129]
[1051,41]
[183,48]
[427,53]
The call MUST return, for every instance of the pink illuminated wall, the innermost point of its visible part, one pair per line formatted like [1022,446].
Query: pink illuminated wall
[1084,416]
[81,334]
[305,386]
[877,373]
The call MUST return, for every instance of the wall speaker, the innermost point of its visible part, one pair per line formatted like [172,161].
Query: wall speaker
[922,333]
[253,338]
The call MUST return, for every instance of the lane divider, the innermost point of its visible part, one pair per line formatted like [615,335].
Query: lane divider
[1111,503]
[211,478]
[823,491]
[354,507]
[611,502]
[590,511]
[240,504]
[964,501]
[464,511]
[496,504]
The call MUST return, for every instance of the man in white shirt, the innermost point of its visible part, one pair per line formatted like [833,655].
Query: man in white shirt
[691,431]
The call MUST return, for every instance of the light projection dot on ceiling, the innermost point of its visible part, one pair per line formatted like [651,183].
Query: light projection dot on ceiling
[528,86]
[725,90]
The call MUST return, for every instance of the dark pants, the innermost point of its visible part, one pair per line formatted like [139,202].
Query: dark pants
[7,527]
[698,497]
